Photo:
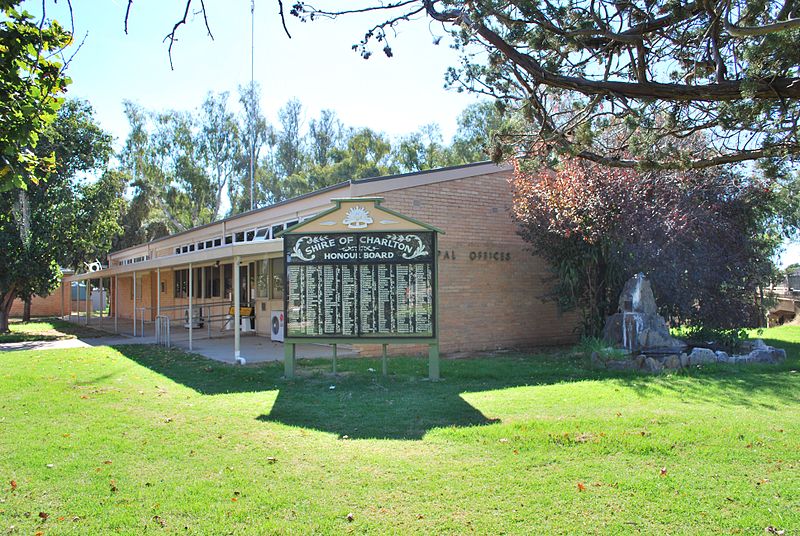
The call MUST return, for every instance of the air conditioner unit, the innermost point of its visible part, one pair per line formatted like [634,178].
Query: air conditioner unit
[197,318]
[276,325]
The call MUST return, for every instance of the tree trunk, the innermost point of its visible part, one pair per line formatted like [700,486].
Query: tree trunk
[6,300]
[26,310]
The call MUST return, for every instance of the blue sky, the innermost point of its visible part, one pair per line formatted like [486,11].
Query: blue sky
[395,96]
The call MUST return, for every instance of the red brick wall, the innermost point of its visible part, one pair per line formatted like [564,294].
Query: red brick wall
[489,283]
[43,306]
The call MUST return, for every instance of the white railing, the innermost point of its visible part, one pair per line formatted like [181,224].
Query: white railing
[163,330]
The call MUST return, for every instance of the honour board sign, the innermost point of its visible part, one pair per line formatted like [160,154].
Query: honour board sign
[359,285]
[360,271]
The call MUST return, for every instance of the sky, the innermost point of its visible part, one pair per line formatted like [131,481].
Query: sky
[317,65]
[393,95]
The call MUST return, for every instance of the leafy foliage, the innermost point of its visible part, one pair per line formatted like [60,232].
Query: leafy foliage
[618,83]
[704,239]
[60,221]
[31,84]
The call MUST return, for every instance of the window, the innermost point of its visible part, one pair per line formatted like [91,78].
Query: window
[197,283]
[217,242]
[262,234]
[181,283]
[201,245]
[212,281]
[227,279]
[229,239]
[276,271]
[249,235]
[240,237]
[276,229]
[262,279]
[138,288]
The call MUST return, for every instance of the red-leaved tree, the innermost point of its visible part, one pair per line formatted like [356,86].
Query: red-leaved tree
[703,238]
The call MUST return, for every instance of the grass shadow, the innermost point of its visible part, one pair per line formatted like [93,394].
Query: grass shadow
[360,403]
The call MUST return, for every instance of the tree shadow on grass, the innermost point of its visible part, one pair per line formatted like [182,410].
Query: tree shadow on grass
[404,405]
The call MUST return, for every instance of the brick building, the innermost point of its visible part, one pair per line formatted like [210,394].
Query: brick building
[489,284]
[55,304]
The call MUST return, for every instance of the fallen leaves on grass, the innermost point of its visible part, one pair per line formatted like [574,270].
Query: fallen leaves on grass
[271,459]
[44,515]
[113,486]
[581,487]
[773,530]
[663,471]
[13,485]
[160,521]
[351,516]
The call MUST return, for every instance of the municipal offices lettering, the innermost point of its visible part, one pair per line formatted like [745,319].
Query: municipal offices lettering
[494,256]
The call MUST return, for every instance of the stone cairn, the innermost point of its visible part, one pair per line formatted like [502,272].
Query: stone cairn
[638,329]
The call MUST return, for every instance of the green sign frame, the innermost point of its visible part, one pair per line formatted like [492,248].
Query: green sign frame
[324,249]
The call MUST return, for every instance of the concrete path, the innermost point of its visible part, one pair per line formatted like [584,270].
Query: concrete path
[71,343]
[254,349]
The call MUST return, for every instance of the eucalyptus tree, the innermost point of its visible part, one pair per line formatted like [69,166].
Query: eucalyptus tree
[256,135]
[421,150]
[182,162]
[220,143]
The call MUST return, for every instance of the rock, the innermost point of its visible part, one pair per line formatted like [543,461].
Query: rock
[684,360]
[701,356]
[621,364]
[652,366]
[767,354]
[595,360]
[637,296]
[672,362]
[639,361]
[722,357]
[637,325]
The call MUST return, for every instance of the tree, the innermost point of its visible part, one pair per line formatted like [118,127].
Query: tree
[31,83]
[324,136]
[181,162]
[421,150]
[620,83]
[219,143]
[59,221]
[478,124]
[255,134]
[705,239]
[289,151]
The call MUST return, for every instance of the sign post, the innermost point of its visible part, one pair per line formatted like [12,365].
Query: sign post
[361,274]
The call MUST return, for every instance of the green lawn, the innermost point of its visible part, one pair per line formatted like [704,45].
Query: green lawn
[134,439]
[46,329]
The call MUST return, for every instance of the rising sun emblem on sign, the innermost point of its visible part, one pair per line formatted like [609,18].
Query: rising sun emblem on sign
[357,218]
